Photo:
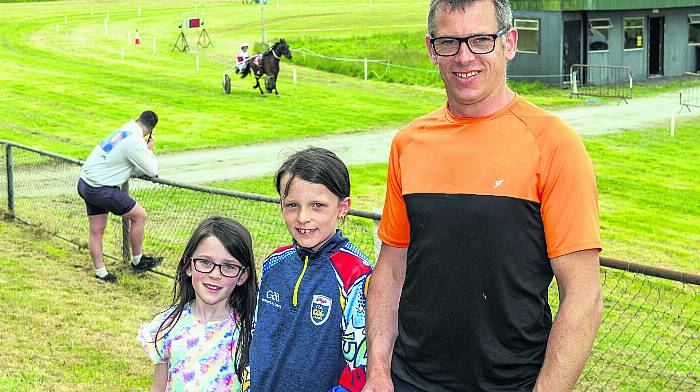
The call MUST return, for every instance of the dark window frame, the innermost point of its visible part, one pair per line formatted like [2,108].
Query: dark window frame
[523,28]
[625,28]
[607,27]
[694,23]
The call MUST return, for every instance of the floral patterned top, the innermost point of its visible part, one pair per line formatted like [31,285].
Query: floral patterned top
[199,354]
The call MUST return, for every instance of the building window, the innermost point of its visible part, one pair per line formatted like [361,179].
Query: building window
[598,34]
[634,33]
[528,35]
[694,29]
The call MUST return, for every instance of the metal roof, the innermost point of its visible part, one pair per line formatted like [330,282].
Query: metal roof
[598,5]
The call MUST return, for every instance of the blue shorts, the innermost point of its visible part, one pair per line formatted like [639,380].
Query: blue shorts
[100,200]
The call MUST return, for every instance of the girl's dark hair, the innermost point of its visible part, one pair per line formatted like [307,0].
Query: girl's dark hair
[237,241]
[316,165]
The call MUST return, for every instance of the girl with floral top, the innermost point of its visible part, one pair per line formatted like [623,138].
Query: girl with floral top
[200,343]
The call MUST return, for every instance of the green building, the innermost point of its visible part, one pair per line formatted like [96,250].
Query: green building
[653,37]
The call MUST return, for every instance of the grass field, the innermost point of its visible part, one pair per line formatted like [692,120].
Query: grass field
[65,331]
[65,84]
[64,90]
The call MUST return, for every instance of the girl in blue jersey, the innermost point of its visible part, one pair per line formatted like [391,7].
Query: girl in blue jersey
[201,342]
[309,333]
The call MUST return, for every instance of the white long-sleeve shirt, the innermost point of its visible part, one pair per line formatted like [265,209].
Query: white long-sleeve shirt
[119,156]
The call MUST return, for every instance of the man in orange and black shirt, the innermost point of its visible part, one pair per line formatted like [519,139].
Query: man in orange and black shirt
[488,198]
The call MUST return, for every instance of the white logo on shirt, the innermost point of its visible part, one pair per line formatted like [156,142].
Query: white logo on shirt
[498,183]
[272,298]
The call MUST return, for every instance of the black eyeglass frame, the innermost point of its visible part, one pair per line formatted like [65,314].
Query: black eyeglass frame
[465,40]
[214,265]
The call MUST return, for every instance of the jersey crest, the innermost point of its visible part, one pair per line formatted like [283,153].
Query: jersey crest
[320,309]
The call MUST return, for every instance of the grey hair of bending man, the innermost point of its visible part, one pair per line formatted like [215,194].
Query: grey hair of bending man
[504,13]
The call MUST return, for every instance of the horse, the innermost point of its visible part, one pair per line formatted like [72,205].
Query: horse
[267,64]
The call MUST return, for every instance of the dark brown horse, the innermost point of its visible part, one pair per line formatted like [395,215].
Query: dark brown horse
[267,64]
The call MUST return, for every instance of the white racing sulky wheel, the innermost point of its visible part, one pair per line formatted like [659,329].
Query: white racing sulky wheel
[226,84]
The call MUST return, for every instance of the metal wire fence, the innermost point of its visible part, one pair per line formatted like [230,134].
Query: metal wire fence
[690,92]
[601,81]
[648,340]
[45,196]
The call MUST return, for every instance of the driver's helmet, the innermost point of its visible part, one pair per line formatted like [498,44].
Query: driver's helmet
[244,45]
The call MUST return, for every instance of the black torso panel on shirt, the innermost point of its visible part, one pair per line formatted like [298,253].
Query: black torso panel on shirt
[477,278]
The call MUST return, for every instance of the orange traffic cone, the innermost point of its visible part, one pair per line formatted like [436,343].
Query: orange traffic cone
[138,38]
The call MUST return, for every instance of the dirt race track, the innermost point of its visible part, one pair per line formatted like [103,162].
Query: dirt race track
[225,164]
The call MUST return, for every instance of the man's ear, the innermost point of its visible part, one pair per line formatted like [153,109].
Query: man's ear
[431,53]
[511,44]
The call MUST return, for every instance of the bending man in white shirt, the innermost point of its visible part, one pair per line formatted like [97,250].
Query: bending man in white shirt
[120,155]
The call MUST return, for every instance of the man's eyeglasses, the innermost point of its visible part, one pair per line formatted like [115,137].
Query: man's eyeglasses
[228,270]
[478,43]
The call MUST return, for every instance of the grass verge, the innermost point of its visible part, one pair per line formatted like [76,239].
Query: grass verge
[64,330]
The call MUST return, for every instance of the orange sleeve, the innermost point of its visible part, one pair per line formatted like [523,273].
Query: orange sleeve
[569,197]
[394,228]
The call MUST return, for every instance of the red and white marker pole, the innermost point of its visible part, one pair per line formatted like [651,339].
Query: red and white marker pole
[137,40]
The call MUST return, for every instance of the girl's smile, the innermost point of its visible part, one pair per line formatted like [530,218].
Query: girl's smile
[212,288]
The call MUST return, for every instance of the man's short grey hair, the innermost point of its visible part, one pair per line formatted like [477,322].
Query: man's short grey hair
[504,13]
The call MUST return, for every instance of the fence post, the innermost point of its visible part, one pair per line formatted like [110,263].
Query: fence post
[10,180]
[365,69]
[631,82]
[262,23]
[673,123]
[375,238]
[126,229]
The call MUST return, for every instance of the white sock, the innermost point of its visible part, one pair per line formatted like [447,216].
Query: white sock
[135,260]
[101,272]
